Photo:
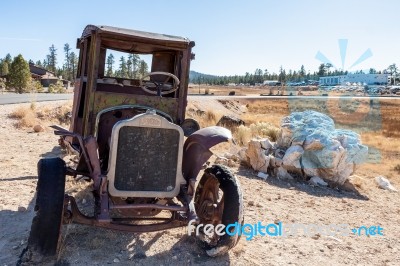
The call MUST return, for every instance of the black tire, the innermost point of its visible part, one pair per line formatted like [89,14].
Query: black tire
[46,225]
[233,208]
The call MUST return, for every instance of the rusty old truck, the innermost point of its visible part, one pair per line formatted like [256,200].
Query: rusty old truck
[146,162]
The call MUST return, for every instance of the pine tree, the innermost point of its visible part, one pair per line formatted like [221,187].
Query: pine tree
[5,65]
[110,63]
[135,65]
[282,74]
[19,76]
[321,70]
[143,68]
[73,65]
[8,59]
[52,59]
[67,65]
[302,72]
[123,70]
[4,68]
[129,66]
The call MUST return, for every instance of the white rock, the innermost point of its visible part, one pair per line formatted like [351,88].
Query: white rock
[266,144]
[116,260]
[262,175]
[256,156]
[329,153]
[335,239]
[272,161]
[283,174]
[292,156]
[242,154]
[384,183]
[317,181]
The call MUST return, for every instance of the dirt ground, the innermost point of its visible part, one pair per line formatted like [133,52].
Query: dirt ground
[267,201]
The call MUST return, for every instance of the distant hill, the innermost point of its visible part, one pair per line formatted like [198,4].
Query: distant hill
[194,76]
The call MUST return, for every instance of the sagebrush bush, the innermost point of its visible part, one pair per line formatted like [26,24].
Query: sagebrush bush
[242,135]
[210,116]
[20,112]
[26,117]
[57,88]
[264,129]
[29,120]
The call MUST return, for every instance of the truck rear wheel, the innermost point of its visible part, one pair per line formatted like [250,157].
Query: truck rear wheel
[46,225]
[219,200]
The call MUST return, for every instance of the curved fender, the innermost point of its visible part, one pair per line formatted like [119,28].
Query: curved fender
[196,150]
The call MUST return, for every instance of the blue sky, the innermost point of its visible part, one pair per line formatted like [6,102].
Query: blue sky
[232,37]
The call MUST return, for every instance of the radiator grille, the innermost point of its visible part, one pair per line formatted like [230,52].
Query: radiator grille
[146,159]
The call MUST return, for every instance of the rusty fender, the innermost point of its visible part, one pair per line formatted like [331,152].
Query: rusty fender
[196,150]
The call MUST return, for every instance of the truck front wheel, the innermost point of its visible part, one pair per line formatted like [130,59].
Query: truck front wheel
[44,238]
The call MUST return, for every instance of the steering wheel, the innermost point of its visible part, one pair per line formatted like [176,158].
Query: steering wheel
[159,88]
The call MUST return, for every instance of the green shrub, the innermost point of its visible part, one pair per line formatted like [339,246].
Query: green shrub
[57,88]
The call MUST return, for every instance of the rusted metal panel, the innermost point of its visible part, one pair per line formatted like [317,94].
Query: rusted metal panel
[146,36]
[94,51]
[185,63]
[75,216]
[196,150]
[103,100]
[79,93]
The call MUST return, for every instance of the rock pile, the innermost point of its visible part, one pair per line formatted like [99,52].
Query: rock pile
[308,146]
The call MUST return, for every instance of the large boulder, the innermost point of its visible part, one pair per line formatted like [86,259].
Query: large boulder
[314,146]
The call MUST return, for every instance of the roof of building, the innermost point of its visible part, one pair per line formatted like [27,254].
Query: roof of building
[39,70]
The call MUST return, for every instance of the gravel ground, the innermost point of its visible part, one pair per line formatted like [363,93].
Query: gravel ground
[265,201]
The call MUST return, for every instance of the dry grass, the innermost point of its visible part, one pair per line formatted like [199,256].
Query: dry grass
[244,134]
[30,116]
[263,129]
[379,141]
[206,119]
[61,114]
[239,90]
[390,113]
[20,112]
[377,122]
[251,118]
[28,120]
[26,117]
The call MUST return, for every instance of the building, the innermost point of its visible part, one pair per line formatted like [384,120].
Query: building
[271,83]
[369,79]
[46,77]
